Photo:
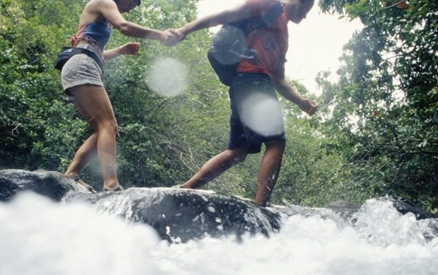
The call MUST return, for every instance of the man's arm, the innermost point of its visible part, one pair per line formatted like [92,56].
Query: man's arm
[234,14]
[290,93]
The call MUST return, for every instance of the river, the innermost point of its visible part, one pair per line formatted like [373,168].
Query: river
[38,236]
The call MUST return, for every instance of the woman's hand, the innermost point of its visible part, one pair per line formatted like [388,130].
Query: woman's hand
[130,48]
[180,34]
[170,38]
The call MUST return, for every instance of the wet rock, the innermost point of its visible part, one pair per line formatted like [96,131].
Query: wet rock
[180,215]
[177,214]
[345,209]
[46,183]
[405,206]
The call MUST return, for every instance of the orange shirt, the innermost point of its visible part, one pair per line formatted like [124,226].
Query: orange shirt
[270,43]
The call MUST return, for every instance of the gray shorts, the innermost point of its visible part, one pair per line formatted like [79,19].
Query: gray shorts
[81,69]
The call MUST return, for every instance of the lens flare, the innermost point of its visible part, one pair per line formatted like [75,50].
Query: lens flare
[168,77]
[262,114]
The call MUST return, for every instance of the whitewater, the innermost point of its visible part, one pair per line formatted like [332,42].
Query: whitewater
[39,236]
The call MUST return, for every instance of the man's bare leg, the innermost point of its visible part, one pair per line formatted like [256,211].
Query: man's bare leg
[269,170]
[216,166]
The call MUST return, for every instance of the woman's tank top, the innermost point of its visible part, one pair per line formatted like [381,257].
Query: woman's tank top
[97,33]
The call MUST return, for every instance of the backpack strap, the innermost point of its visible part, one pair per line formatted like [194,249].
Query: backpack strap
[266,19]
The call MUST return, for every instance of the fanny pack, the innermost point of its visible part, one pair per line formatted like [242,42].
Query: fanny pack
[67,52]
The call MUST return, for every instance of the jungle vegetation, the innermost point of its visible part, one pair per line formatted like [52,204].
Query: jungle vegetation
[376,132]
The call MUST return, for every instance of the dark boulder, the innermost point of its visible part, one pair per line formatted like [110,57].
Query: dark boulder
[177,214]
[46,183]
[405,206]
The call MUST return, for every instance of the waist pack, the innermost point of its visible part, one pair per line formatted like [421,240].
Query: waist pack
[229,45]
[67,52]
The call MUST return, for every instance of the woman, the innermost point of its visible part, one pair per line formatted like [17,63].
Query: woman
[81,81]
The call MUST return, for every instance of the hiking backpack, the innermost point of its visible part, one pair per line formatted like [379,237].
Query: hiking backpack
[229,45]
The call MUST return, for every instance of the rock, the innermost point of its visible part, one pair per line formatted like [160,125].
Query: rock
[178,215]
[46,183]
[405,206]
[345,209]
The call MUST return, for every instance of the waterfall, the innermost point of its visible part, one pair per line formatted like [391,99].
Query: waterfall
[39,236]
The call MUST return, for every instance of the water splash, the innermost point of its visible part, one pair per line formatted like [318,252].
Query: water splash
[379,223]
[38,236]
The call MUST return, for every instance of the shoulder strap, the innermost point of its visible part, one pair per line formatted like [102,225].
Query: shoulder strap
[250,24]
[270,15]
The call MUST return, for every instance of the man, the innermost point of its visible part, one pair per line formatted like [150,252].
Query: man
[255,83]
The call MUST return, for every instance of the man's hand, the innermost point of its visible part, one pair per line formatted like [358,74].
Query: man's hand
[290,93]
[308,106]
[169,38]
[180,33]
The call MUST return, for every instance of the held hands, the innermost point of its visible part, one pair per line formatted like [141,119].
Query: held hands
[171,37]
[129,48]
[308,106]
[180,33]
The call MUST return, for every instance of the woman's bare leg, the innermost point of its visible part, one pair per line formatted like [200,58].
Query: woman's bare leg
[94,105]
[83,156]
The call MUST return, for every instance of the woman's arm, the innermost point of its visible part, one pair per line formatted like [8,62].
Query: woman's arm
[126,49]
[108,9]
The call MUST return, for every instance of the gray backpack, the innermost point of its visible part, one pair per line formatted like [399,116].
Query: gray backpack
[229,45]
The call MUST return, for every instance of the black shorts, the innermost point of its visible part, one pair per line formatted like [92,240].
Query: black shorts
[256,115]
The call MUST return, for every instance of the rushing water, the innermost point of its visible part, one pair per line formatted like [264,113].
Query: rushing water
[41,237]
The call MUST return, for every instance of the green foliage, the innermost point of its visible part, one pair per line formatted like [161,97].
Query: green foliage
[162,140]
[384,107]
[375,133]
[29,85]
[41,131]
